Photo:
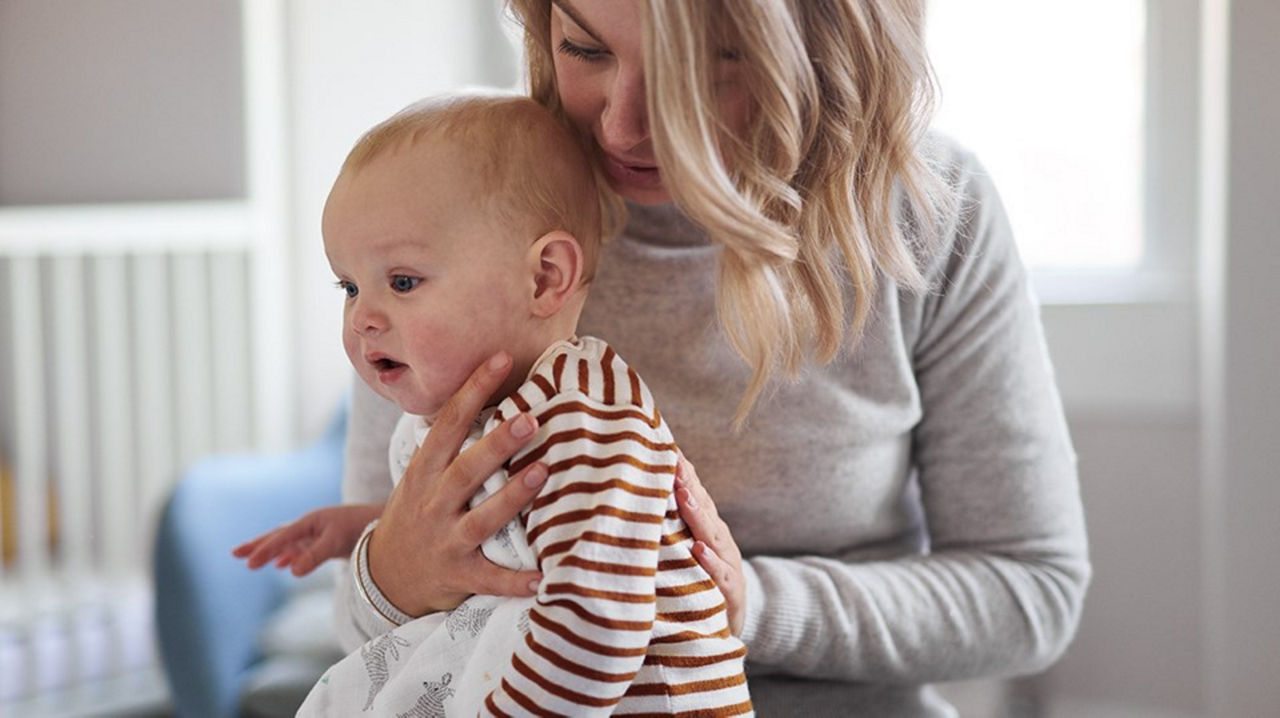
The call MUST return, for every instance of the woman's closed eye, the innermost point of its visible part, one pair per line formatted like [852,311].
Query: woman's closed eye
[403,283]
[582,52]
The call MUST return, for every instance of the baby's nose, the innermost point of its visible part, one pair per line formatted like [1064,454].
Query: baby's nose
[366,320]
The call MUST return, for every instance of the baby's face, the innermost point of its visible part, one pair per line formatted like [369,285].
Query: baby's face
[432,290]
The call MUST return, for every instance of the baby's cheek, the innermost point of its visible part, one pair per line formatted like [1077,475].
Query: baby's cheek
[351,346]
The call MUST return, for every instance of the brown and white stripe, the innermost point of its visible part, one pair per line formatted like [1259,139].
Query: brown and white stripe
[626,622]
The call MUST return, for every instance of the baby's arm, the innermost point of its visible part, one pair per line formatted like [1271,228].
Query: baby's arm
[595,527]
[318,536]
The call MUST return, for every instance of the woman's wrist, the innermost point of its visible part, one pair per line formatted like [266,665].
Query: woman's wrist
[753,597]
[366,584]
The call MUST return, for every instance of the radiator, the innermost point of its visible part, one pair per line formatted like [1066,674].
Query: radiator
[125,353]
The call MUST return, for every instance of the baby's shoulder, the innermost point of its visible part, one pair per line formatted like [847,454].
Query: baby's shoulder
[584,381]
[585,368]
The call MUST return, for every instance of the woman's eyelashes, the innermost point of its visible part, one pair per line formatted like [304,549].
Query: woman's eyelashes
[582,52]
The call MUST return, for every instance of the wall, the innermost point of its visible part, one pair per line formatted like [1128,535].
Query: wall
[352,64]
[1181,619]
[131,100]
[1141,640]
[1241,344]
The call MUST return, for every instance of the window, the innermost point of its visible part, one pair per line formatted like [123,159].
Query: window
[1086,114]
[1050,95]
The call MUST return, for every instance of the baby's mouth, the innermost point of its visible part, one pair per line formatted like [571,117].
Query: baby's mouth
[384,364]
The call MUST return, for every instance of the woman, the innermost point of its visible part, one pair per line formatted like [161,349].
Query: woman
[830,308]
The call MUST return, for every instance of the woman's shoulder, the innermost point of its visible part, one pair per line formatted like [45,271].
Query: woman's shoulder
[971,223]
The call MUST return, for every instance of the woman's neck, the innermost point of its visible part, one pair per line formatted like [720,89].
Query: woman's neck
[663,225]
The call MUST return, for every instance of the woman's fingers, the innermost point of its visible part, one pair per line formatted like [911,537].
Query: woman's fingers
[428,508]
[687,478]
[493,580]
[721,572]
[727,578]
[699,511]
[480,460]
[486,519]
[454,420]
[700,515]
[714,547]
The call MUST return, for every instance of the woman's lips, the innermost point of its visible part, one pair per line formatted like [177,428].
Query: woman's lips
[623,173]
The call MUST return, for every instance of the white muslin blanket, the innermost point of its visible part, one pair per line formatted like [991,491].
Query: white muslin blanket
[442,664]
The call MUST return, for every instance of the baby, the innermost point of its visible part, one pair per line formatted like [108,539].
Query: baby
[458,228]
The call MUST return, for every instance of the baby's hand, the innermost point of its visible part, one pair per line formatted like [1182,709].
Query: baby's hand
[323,534]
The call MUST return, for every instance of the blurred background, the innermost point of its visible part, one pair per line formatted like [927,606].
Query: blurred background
[165,299]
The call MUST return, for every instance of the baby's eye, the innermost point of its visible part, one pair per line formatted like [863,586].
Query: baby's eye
[402,283]
[348,288]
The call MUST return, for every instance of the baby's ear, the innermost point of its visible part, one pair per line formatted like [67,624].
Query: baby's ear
[556,261]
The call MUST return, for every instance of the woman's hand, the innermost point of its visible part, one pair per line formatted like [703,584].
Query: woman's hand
[424,554]
[713,546]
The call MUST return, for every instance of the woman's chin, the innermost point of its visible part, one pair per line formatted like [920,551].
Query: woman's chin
[644,196]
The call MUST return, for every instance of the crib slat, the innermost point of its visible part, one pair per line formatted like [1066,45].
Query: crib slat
[30,469]
[114,468]
[72,462]
[232,383]
[266,129]
[155,411]
[192,356]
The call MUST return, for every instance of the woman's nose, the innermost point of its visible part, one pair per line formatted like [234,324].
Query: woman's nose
[625,120]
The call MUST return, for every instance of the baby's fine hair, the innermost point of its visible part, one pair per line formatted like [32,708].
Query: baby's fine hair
[534,173]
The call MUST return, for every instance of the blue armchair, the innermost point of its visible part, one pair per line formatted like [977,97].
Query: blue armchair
[210,609]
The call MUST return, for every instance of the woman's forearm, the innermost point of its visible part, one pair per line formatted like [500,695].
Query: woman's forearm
[947,616]
[366,479]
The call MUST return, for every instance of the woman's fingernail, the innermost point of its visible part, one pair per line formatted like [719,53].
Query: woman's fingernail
[523,426]
[536,476]
[499,361]
[533,585]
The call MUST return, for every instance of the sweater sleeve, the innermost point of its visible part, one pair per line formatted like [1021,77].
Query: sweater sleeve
[595,528]
[1000,587]
[366,479]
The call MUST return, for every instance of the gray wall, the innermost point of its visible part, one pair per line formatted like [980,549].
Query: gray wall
[1141,640]
[128,100]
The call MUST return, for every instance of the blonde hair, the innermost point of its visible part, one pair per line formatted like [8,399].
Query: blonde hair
[534,173]
[806,202]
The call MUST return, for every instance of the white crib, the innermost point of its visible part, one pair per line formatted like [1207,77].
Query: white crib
[128,350]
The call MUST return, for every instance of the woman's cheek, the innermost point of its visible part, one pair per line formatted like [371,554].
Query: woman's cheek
[580,102]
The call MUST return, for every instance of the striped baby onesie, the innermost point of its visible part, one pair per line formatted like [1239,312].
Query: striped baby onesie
[626,622]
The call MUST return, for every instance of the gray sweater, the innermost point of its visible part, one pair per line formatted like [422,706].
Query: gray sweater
[910,512]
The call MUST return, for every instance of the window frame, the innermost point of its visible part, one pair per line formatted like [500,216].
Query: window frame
[1124,342]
